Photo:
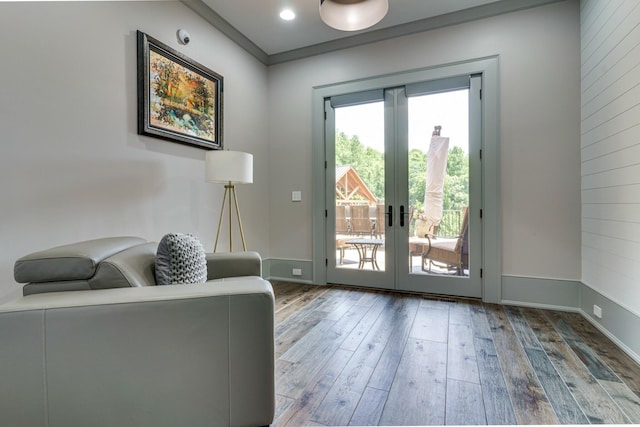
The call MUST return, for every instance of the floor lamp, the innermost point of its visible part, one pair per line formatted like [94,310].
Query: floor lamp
[229,168]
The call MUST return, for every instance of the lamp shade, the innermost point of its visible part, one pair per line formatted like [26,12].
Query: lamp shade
[353,15]
[233,167]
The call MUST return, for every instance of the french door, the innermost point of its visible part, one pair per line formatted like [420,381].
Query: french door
[403,187]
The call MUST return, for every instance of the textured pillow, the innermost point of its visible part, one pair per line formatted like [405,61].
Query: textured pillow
[180,259]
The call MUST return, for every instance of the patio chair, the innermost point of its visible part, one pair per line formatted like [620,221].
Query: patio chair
[380,221]
[360,220]
[342,224]
[449,252]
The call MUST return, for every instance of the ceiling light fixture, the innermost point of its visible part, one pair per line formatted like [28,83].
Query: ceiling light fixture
[287,14]
[353,15]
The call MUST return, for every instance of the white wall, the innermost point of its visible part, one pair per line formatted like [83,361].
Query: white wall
[611,149]
[539,129]
[72,166]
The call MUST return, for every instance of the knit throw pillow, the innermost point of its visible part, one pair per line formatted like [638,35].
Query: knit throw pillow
[180,259]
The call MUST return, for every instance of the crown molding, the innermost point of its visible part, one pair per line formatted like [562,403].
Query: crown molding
[217,21]
[466,15]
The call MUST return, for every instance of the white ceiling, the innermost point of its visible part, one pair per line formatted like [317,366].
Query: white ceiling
[256,26]
[259,20]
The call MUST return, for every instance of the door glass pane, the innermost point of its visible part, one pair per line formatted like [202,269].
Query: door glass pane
[439,183]
[360,187]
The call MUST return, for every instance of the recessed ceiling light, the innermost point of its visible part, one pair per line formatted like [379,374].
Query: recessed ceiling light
[287,14]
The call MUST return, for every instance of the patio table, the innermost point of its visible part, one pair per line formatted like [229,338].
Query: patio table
[363,246]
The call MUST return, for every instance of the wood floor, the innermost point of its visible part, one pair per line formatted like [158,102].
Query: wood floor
[349,356]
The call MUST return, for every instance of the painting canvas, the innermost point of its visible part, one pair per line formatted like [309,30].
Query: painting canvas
[178,99]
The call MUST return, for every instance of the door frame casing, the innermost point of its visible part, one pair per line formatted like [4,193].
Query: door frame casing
[491,231]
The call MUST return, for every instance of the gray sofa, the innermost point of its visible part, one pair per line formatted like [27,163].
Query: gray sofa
[95,342]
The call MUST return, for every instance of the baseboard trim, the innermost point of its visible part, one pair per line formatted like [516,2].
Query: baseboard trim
[624,347]
[282,269]
[289,280]
[618,323]
[552,294]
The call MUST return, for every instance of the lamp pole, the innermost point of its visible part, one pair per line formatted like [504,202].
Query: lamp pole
[229,168]
[229,193]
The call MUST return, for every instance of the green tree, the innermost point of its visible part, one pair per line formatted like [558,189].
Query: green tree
[417,178]
[456,184]
[348,150]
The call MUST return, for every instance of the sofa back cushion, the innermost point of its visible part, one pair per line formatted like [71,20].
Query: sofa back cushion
[132,267]
[77,261]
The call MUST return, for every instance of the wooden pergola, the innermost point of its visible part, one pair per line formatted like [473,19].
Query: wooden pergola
[350,188]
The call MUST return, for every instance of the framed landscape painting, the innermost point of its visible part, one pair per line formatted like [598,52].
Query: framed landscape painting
[178,99]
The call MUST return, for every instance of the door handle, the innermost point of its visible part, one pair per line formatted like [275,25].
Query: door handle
[390,216]
[401,215]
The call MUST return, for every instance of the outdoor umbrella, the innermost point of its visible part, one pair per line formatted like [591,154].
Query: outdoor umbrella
[436,171]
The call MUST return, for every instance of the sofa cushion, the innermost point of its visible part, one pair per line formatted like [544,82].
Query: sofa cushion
[77,261]
[132,267]
[180,259]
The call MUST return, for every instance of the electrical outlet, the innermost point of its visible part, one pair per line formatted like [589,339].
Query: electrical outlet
[296,272]
[597,311]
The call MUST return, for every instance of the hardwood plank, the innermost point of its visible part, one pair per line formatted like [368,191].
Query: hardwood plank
[567,409]
[312,342]
[310,353]
[337,304]
[291,314]
[341,401]
[497,402]
[370,296]
[431,324]
[418,393]
[349,300]
[462,364]
[297,331]
[595,402]
[591,360]
[369,409]
[394,378]
[460,313]
[300,412]
[383,374]
[331,327]
[283,404]
[284,290]
[626,399]
[353,340]
[464,404]
[434,302]
[530,403]
[620,363]
[520,326]
[287,294]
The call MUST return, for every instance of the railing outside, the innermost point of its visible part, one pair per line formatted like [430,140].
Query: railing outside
[450,223]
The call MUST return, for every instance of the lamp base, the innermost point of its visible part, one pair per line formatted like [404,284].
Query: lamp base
[230,193]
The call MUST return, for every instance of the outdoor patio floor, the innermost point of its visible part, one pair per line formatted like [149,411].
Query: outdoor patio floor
[351,261]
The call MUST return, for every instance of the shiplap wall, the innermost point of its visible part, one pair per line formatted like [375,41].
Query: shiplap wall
[610,149]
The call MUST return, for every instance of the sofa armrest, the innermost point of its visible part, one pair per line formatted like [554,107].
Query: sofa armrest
[233,264]
[150,356]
